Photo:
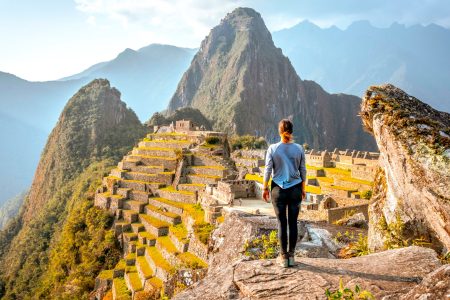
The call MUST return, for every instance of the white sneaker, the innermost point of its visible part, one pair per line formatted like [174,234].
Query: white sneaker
[291,261]
[282,262]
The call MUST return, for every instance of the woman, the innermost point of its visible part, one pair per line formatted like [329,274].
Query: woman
[285,161]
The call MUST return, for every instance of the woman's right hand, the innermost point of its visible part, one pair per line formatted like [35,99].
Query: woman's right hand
[266,195]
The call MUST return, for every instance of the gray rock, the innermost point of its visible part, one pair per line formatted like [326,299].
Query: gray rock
[264,279]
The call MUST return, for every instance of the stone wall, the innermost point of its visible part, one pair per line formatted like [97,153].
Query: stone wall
[338,213]
[198,248]
[364,172]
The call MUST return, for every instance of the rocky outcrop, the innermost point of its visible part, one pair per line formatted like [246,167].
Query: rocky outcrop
[264,279]
[245,85]
[435,285]
[411,200]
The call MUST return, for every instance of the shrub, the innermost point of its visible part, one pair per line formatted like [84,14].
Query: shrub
[212,140]
[248,142]
[367,194]
[348,293]
[264,247]
[359,247]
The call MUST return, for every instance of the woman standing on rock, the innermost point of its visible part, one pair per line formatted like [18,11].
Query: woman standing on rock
[285,162]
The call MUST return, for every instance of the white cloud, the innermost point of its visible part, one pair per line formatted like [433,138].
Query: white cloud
[175,21]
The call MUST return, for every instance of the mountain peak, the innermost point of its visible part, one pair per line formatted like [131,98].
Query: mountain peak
[239,78]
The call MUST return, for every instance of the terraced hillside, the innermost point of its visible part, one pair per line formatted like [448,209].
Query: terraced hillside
[153,194]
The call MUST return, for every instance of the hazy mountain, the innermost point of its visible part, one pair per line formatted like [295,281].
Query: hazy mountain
[245,85]
[29,110]
[93,132]
[146,78]
[413,58]
[10,208]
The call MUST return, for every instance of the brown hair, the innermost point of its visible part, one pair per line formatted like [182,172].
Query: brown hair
[285,128]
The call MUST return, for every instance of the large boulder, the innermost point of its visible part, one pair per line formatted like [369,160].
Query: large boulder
[411,201]
[264,279]
[434,286]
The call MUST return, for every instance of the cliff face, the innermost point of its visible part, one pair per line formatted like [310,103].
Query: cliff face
[242,82]
[412,194]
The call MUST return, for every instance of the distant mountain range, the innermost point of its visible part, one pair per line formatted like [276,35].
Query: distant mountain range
[413,58]
[146,78]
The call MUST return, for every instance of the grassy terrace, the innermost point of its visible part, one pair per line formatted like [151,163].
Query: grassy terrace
[361,181]
[121,289]
[131,256]
[158,259]
[313,189]
[181,142]
[325,179]
[156,282]
[147,235]
[156,149]
[254,177]
[206,176]
[167,244]
[153,221]
[135,281]
[106,274]
[144,266]
[342,188]
[217,167]
[130,269]
[171,189]
[162,212]
[156,157]
[337,171]
[140,181]
[167,134]
[191,261]
[121,265]
[180,232]
[193,184]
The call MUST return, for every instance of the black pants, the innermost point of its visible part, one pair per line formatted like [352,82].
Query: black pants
[289,199]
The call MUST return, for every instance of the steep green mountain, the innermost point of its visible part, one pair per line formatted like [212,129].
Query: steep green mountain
[59,235]
[413,58]
[245,85]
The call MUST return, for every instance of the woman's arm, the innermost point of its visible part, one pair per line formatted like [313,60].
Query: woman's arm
[267,173]
[302,169]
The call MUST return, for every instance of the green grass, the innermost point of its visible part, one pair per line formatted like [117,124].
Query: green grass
[154,221]
[220,219]
[168,134]
[167,244]
[193,184]
[171,189]
[217,167]
[191,261]
[313,168]
[342,188]
[206,176]
[159,260]
[325,179]
[337,171]
[130,269]
[156,157]
[356,180]
[144,266]
[203,231]
[135,281]
[155,149]
[180,232]
[147,235]
[254,177]
[121,264]
[313,189]
[106,274]
[122,292]
[156,282]
[162,212]
[168,141]
[131,256]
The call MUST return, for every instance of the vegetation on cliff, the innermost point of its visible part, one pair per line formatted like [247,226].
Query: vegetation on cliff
[185,113]
[62,242]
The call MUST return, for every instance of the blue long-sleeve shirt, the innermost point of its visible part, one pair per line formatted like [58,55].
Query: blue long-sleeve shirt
[286,163]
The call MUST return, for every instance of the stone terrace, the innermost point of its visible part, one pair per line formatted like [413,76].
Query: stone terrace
[159,222]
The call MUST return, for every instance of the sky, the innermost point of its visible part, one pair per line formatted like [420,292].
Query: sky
[47,40]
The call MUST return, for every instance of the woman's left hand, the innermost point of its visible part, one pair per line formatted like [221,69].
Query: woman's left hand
[303,194]
[266,195]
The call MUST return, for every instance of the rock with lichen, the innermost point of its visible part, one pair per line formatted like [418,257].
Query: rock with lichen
[411,201]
